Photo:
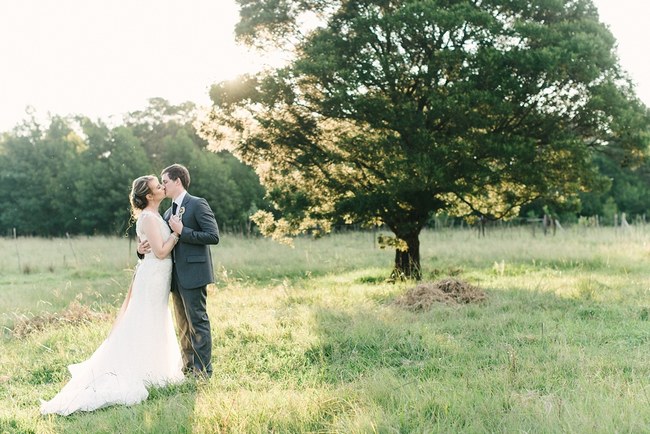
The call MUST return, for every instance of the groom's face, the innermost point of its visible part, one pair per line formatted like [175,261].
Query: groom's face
[172,188]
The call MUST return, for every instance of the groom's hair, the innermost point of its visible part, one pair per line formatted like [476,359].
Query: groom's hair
[178,171]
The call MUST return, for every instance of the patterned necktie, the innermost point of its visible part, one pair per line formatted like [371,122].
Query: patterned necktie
[174,207]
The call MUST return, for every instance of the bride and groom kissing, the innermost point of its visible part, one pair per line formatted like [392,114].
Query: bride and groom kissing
[141,349]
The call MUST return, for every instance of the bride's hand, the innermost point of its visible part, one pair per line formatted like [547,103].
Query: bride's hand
[176,224]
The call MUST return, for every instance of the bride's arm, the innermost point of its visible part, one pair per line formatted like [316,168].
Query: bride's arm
[161,248]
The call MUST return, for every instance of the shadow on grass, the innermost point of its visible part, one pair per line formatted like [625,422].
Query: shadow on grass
[479,368]
[457,339]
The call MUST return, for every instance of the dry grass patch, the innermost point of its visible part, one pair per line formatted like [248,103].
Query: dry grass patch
[450,291]
[75,313]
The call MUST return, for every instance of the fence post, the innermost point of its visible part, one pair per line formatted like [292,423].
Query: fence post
[20,267]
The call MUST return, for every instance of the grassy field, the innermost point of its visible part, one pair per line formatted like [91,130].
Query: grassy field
[308,339]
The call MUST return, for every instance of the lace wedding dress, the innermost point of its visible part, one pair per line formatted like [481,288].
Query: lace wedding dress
[140,351]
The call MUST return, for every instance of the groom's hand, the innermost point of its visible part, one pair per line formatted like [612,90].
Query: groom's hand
[144,247]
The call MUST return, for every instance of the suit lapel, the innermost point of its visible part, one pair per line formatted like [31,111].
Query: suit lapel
[186,201]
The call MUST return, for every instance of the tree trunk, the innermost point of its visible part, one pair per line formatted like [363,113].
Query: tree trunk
[407,262]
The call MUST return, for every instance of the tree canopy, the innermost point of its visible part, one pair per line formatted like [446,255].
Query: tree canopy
[393,110]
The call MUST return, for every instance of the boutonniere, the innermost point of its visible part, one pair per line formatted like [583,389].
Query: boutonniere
[181,211]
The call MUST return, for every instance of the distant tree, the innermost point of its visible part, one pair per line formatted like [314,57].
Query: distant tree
[36,168]
[232,188]
[393,110]
[229,186]
[159,122]
[628,188]
[112,159]
[169,136]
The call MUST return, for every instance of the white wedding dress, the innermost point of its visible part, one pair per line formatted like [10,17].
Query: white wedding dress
[140,351]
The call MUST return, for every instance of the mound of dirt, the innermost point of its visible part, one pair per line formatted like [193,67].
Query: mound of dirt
[450,291]
[75,313]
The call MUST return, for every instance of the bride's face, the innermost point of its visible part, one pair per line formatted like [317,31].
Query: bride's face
[157,191]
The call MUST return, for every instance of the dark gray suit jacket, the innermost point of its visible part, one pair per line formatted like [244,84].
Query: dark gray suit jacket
[192,258]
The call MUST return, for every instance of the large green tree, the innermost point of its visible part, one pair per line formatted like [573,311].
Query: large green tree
[393,110]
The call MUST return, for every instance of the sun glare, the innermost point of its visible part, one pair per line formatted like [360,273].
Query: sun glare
[103,59]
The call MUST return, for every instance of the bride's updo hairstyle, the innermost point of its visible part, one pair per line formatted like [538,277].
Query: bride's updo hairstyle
[139,192]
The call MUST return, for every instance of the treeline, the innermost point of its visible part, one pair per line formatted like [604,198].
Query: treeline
[73,175]
[623,187]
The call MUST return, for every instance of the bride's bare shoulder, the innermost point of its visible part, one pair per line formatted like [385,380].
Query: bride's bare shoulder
[144,214]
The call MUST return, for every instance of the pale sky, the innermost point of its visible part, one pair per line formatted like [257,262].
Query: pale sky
[105,58]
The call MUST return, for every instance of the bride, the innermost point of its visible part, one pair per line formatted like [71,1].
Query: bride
[141,349]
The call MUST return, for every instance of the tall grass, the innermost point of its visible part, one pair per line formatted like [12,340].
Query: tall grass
[307,339]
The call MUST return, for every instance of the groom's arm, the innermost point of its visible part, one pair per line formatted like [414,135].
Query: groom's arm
[207,231]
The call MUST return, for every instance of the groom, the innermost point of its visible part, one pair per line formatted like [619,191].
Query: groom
[192,220]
